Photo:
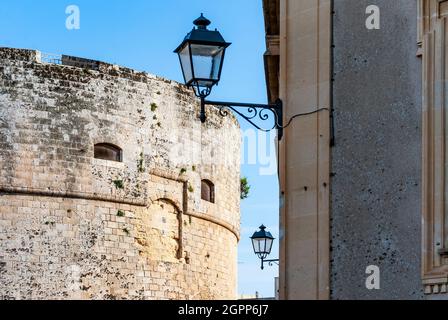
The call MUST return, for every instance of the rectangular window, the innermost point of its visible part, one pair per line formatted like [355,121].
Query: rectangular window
[107,151]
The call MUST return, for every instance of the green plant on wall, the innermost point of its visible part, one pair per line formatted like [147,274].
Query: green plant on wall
[153,107]
[120,213]
[118,184]
[245,188]
[183,171]
[140,163]
[190,188]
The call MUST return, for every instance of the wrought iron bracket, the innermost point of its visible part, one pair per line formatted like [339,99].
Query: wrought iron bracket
[249,112]
[270,262]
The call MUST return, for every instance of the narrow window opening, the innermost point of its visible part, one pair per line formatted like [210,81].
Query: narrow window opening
[106,151]
[208,191]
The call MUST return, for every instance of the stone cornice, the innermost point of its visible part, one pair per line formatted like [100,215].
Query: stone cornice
[114,199]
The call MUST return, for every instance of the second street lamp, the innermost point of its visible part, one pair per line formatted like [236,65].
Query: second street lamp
[262,241]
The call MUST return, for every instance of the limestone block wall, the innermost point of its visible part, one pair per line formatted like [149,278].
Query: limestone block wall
[72,226]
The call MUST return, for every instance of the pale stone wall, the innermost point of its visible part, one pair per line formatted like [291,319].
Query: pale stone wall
[376,162]
[305,33]
[67,231]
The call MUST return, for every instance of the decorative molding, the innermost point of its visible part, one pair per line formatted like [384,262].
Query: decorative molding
[271,10]
[128,201]
[420,12]
[72,195]
[432,37]
[273,45]
[436,285]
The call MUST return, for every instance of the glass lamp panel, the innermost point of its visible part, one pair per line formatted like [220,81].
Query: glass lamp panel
[185,62]
[216,65]
[253,245]
[256,244]
[263,245]
[269,243]
[207,62]
[204,83]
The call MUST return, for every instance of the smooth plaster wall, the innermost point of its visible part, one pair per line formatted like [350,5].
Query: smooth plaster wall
[376,162]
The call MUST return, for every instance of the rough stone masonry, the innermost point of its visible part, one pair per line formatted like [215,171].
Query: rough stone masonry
[76,227]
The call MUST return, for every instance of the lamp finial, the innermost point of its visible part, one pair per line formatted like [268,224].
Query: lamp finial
[202,22]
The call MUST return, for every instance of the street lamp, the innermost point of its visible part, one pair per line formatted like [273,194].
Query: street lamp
[262,241]
[201,55]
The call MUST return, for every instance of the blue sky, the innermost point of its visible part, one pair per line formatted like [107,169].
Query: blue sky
[142,35]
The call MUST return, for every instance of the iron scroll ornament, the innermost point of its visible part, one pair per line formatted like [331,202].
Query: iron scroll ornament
[252,111]
[270,262]
[211,45]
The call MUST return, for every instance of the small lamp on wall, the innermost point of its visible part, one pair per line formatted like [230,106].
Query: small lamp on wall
[262,242]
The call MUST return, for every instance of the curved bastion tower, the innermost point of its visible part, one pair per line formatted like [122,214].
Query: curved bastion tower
[110,186]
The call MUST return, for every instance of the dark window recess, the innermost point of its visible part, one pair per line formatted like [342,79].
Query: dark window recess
[106,151]
[208,191]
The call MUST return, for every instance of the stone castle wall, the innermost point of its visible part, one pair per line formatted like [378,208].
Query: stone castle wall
[72,226]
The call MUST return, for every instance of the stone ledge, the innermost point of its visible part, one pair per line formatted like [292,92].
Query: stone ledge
[436,285]
[70,194]
[95,197]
